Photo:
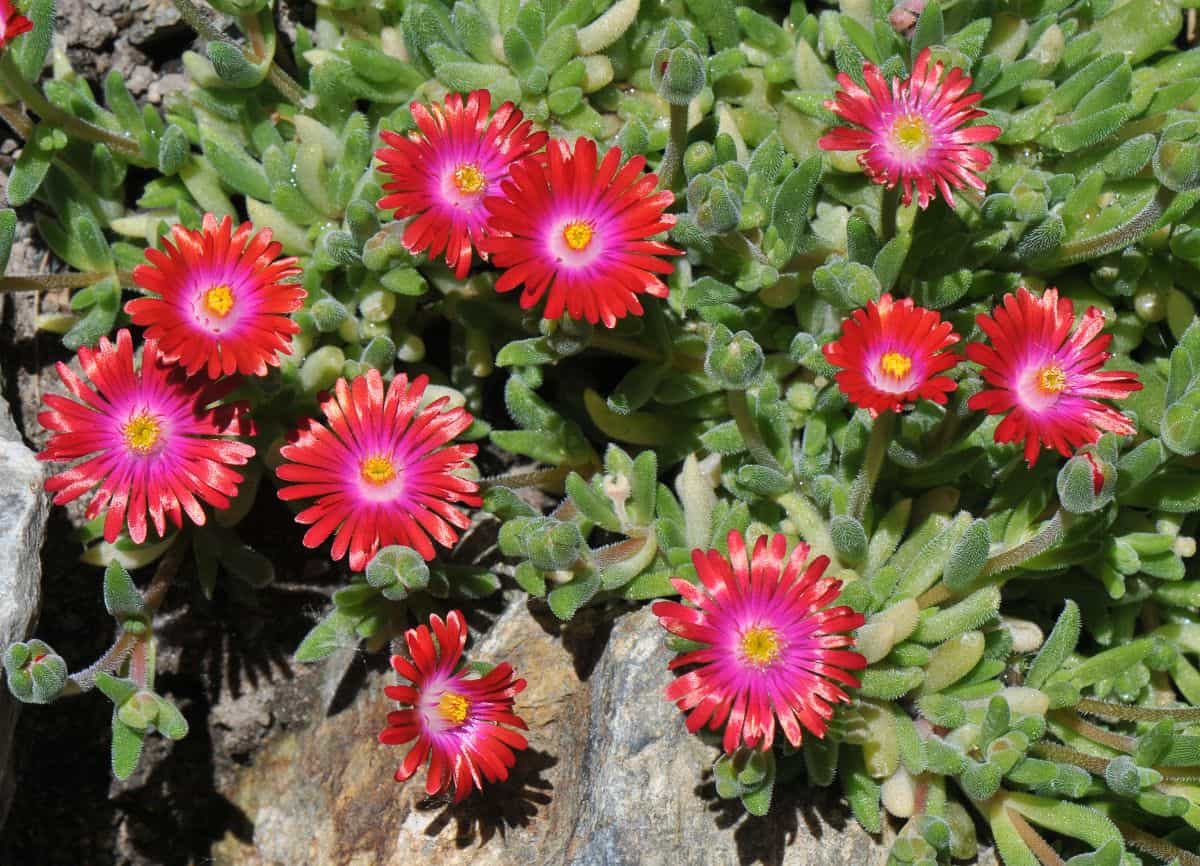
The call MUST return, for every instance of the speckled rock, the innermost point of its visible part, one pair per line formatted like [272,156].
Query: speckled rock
[611,778]
[23,509]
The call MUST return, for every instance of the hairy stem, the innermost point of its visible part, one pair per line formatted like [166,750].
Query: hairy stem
[1033,840]
[15,83]
[740,409]
[1048,536]
[673,156]
[17,120]
[1126,713]
[1152,845]
[877,445]
[1095,733]
[534,478]
[50,282]
[1066,755]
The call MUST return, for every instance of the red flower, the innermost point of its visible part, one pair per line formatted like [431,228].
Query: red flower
[379,472]
[773,649]
[893,353]
[579,234]
[913,132]
[218,300]
[1047,379]
[12,23]
[441,175]
[149,440]
[457,720]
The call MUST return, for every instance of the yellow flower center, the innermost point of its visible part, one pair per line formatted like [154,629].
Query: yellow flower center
[1052,380]
[911,132]
[219,300]
[378,470]
[468,179]
[895,365]
[578,235]
[453,708]
[142,433]
[760,645]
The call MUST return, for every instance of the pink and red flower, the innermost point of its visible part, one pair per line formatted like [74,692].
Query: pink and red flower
[458,721]
[577,233]
[12,23]
[218,299]
[147,438]
[381,471]
[893,353]
[1047,379]
[773,649]
[442,174]
[913,132]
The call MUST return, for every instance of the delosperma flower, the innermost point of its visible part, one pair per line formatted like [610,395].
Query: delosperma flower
[441,174]
[12,23]
[913,132]
[774,652]
[381,470]
[147,438]
[1045,379]
[218,298]
[577,233]
[458,721]
[892,354]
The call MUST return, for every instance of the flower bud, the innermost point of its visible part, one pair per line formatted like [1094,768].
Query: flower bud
[720,210]
[140,711]
[397,571]
[568,336]
[733,360]
[328,314]
[677,69]
[553,544]
[321,369]
[1086,482]
[698,158]
[35,673]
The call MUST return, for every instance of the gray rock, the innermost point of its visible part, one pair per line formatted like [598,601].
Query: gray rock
[611,777]
[23,510]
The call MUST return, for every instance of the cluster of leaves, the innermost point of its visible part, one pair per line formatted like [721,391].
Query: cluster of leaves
[716,409]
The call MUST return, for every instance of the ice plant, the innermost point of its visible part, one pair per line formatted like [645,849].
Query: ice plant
[1047,379]
[774,652]
[218,300]
[457,720]
[913,132]
[381,470]
[578,233]
[12,23]
[441,173]
[892,354]
[146,438]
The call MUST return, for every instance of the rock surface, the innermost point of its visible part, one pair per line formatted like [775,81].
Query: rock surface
[611,778]
[23,509]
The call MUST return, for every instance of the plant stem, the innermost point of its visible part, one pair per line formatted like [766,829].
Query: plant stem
[1033,840]
[740,409]
[1126,713]
[888,207]
[533,478]
[1152,845]
[15,83]
[1049,535]
[877,445]
[1066,755]
[17,120]
[200,21]
[1095,733]
[673,156]
[50,282]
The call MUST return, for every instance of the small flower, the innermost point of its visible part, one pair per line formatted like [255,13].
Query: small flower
[773,650]
[150,441]
[458,721]
[217,299]
[578,234]
[442,174]
[12,23]
[912,132]
[891,354]
[379,471]
[1047,379]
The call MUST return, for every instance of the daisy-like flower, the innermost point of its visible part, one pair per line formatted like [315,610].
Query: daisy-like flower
[913,132]
[381,471]
[147,438]
[457,720]
[893,353]
[774,652]
[218,301]
[1047,379]
[12,23]
[577,233]
[441,174]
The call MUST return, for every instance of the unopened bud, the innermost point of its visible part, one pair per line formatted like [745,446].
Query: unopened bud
[35,673]
[397,571]
[140,711]
[733,360]
[553,545]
